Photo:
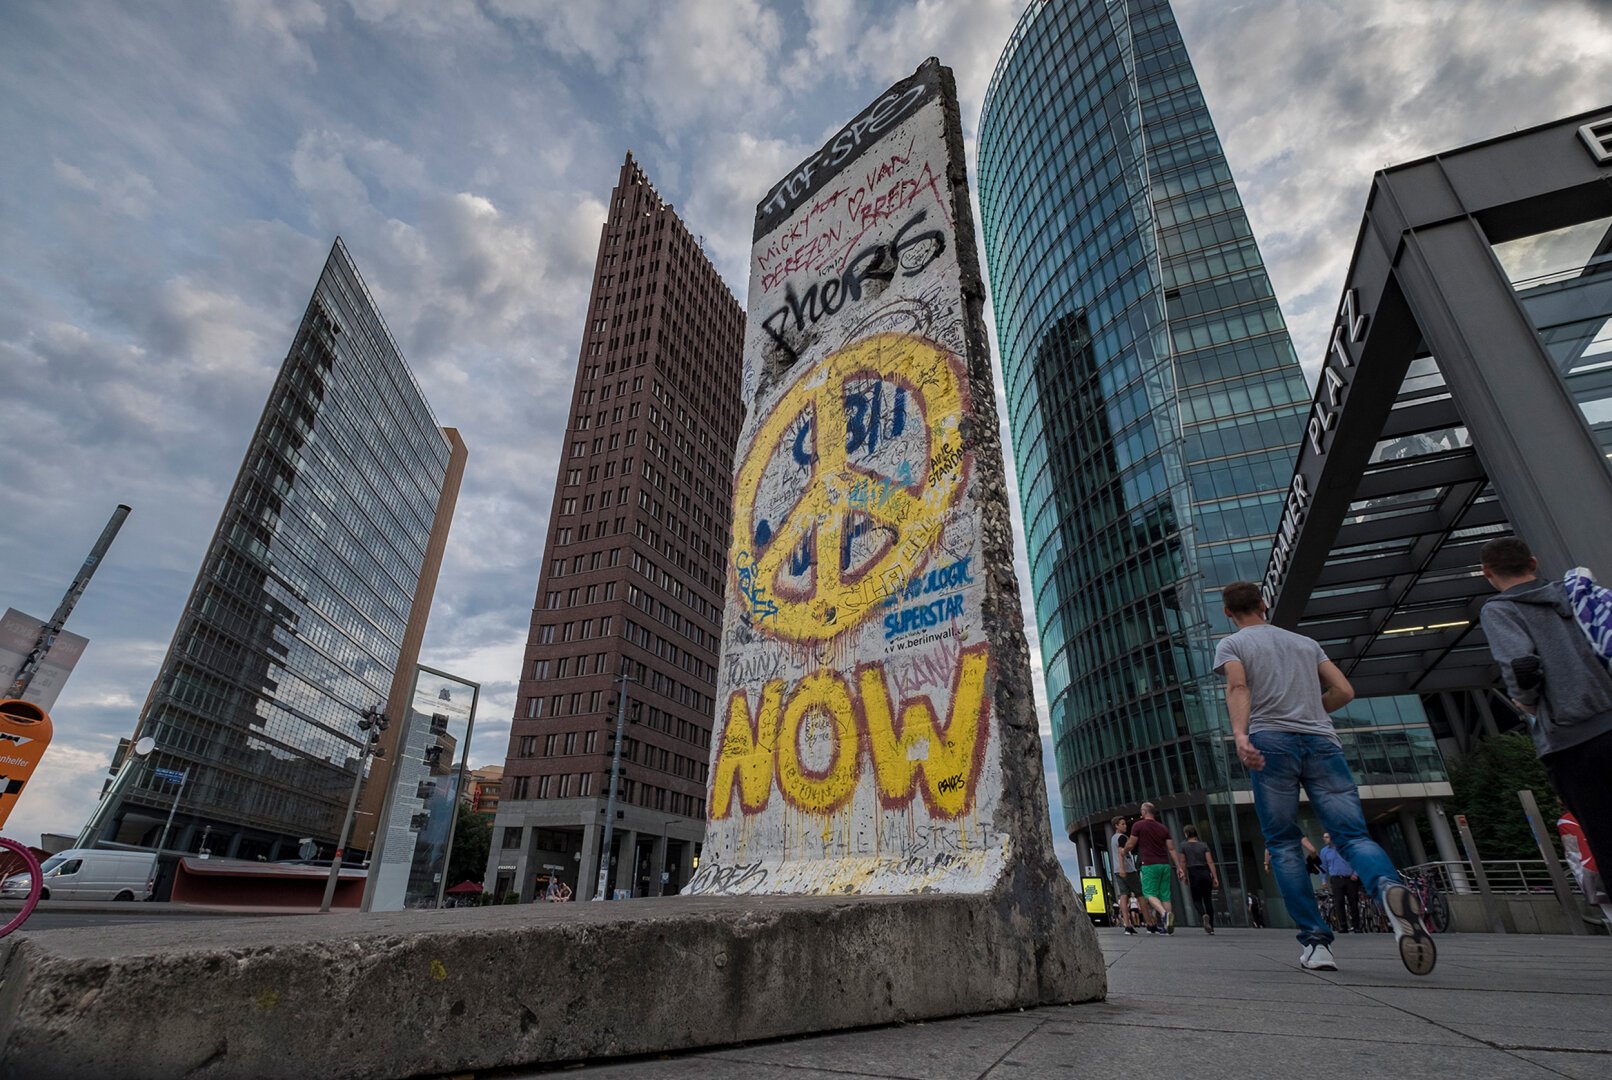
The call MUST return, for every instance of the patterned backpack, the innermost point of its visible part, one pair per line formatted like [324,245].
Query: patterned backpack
[1592,604]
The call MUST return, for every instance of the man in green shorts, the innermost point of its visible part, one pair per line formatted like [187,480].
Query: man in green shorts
[1155,850]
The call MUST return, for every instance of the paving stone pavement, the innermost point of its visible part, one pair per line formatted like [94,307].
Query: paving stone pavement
[1234,1005]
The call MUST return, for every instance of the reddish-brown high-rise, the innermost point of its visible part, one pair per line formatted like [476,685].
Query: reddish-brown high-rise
[632,573]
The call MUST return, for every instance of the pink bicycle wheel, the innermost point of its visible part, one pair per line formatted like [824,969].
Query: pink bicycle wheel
[17,859]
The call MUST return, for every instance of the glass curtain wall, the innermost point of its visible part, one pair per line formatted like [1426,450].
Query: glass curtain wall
[296,620]
[1154,397]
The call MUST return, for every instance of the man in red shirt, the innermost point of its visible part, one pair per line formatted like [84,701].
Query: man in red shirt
[1155,850]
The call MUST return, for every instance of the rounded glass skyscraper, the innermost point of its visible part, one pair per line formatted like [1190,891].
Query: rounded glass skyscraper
[1155,404]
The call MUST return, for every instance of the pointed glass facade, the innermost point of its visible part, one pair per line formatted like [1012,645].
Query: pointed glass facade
[1154,397]
[310,603]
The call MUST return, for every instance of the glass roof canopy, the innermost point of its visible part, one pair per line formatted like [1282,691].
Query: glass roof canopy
[1396,604]
[1466,387]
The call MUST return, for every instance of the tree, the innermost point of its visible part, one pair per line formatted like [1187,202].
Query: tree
[1485,785]
[472,840]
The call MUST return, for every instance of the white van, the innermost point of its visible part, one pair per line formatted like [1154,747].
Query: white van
[92,874]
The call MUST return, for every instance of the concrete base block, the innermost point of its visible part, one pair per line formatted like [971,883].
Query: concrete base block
[422,993]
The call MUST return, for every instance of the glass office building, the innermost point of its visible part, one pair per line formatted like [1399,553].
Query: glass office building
[310,603]
[1155,404]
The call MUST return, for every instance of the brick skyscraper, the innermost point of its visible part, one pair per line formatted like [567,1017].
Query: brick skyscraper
[633,570]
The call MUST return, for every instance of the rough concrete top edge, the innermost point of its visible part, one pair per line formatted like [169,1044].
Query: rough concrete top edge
[256,933]
[843,150]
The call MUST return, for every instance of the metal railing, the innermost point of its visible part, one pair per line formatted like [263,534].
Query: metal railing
[1517,877]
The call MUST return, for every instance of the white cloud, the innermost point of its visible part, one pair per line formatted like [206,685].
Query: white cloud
[282,24]
[62,791]
[130,193]
[1322,95]
[685,61]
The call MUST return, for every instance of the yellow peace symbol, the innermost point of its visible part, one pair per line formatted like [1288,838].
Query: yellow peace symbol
[813,516]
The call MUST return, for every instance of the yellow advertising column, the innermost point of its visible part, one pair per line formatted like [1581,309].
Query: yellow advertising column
[25,731]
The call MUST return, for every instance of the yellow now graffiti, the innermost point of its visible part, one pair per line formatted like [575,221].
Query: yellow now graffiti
[910,751]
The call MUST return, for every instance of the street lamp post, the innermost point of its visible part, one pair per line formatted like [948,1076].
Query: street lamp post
[665,853]
[615,772]
[373,721]
[162,840]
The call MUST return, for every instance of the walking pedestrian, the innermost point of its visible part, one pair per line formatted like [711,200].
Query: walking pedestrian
[1280,687]
[1123,866]
[1557,680]
[1155,850]
[1345,886]
[1201,876]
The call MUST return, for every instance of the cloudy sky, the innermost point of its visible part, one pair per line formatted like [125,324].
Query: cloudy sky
[174,173]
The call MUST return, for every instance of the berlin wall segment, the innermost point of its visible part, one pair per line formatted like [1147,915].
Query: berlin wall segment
[876,732]
[879,848]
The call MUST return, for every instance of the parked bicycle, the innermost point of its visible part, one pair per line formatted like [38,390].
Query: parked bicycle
[1435,905]
[1368,916]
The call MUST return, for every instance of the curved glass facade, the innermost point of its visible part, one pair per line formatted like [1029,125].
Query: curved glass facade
[1154,398]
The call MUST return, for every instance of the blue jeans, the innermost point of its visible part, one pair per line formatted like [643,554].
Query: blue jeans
[1317,763]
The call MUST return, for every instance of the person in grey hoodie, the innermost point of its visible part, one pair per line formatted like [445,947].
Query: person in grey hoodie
[1556,680]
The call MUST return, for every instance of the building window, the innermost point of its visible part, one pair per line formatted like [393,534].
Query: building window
[590,742]
[545,787]
[549,742]
[528,746]
[545,635]
[521,788]
[534,708]
[512,837]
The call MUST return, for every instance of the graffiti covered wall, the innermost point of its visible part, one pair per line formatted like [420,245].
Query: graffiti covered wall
[857,742]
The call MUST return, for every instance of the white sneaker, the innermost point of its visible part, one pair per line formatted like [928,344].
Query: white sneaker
[1317,958]
[1416,947]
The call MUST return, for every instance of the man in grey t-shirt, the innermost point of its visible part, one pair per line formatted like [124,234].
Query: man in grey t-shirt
[1280,688]
[1123,865]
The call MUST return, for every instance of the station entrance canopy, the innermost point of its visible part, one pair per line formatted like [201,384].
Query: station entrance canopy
[1466,393]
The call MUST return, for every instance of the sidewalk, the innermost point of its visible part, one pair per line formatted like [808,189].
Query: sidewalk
[145,909]
[1237,1005]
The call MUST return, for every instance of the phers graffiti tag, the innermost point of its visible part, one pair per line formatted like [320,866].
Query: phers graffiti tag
[857,746]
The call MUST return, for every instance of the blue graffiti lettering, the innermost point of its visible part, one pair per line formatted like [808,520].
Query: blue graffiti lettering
[922,616]
[761,606]
[944,579]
